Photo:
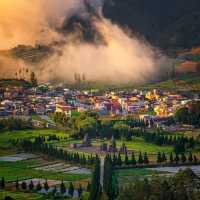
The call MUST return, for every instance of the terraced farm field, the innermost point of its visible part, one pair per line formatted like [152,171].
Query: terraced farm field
[44,169]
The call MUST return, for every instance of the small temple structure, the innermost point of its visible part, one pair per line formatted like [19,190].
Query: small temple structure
[112,148]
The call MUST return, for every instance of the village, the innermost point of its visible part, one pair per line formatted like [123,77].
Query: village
[154,106]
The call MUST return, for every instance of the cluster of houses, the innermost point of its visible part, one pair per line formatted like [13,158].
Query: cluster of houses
[16,101]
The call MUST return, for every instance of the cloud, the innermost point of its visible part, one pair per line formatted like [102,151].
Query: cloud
[121,58]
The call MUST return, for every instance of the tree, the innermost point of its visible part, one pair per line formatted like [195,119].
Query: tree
[80,190]
[24,185]
[171,158]
[159,158]
[166,193]
[88,187]
[62,188]
[164,158]
[107,175]
[195,159]
[146,159]
[54,191]
[31,185]
[71,189]
[95,185]
[126,159]
[182,115]
[46,186]
[133,160]
[140,158]
[2,186]
[119,160]
[190,157]
[177,159]
[17,184]
[183,158]
[33,79]
[38,186]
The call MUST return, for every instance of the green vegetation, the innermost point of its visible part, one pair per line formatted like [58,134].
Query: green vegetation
[183,186]
[138,144]
[21,195]
[6,137]
[134,172]
[25,170]
[189,115]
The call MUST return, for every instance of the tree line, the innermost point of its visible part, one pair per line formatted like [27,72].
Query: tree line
[56,191]
[39,146]
[89,123]
[183,186]
[143,159]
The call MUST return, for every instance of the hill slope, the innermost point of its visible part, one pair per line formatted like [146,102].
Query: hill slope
[167,24]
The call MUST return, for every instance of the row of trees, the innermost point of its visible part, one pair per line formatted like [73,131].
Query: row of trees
[27,74]
[38,145]
[180,143]
[38,187]
[89,123]
[143,159]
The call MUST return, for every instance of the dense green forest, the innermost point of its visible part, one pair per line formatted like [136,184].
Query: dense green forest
[172,24]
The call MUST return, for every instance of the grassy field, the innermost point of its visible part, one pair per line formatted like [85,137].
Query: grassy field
[138,144]
[25,169]
[127,176]
[7,148]
[21,195]
[134,172]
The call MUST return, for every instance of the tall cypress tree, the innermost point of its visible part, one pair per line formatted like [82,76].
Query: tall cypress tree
[140,158]
[183,158]
[190,157]
[159,158]
[171,158]
[38,186]
[17,184]
[126,159]
[110,186]
[146,159]
[2,186]
[95,192]
[46,186]
[80,190]
[119,160]
[133,160]
[62,188]
[31,185]
[71,189]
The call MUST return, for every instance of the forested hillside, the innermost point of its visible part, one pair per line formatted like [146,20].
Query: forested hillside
[169,24]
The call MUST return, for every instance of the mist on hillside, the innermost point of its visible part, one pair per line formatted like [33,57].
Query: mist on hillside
[117,56]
